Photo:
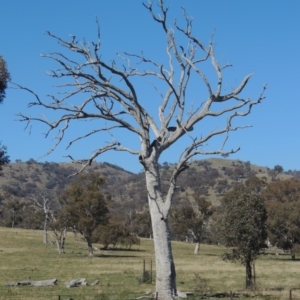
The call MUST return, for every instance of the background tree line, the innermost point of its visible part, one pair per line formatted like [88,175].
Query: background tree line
[194,218]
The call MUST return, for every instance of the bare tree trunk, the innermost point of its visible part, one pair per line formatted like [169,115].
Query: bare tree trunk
[90,246]
[58,246]
[60,237]
[249,283]
[45,231]
[75,233]
[13,218]
[197,247]
[165,267]
[63,239]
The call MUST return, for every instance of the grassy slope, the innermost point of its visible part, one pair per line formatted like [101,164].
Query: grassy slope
[23,257]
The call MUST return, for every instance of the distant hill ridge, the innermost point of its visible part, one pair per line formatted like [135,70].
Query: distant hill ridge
[209,178]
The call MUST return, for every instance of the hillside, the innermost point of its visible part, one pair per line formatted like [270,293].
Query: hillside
[208,178]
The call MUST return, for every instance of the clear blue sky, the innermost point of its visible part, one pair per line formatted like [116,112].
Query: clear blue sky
[260,37]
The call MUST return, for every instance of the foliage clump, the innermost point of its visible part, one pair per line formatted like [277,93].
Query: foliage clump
[283,204]
[4,158]
[85,205]
[114,234]
[4,78]
[244,227]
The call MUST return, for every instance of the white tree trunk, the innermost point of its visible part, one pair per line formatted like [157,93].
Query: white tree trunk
[45,231]
[60,237]
[197,247]
[59,249]
[165,267]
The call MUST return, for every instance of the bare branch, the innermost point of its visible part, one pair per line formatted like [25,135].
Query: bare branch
[91,133]
[116,146]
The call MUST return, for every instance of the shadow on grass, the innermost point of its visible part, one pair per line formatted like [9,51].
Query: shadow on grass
[208,254]
[281,257]
[121,250]
[104,255]
[288,259]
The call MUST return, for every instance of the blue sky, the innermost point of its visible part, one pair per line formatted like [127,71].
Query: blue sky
[260,37]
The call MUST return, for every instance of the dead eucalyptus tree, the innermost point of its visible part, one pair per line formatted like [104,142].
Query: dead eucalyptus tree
[110,93]
[43,202]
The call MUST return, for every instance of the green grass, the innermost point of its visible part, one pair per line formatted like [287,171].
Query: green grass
[23,256]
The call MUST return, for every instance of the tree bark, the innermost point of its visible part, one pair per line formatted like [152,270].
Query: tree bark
[165,267]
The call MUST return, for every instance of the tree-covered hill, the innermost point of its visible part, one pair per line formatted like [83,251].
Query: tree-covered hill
[209,178]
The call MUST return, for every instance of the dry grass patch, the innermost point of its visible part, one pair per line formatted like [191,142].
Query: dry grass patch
[23,256]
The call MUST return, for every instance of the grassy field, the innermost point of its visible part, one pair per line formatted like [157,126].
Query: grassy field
[24,257]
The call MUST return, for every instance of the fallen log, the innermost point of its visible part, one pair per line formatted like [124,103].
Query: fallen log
[49,282]
[76,282]
[95,282]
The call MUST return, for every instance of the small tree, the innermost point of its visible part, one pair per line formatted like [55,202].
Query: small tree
[113,234]
[14,206]
[4,158]
[189,222]
[184,223]
[244,227]
[283,204]
[139,224]
[85,205]
[43,202]
[111,98]
[59,227]
[205,211]
[275,171]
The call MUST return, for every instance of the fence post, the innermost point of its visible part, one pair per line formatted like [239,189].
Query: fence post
[143,270]
[156,295]
[230,295]
[58,297]
[291,296]
[151,271]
